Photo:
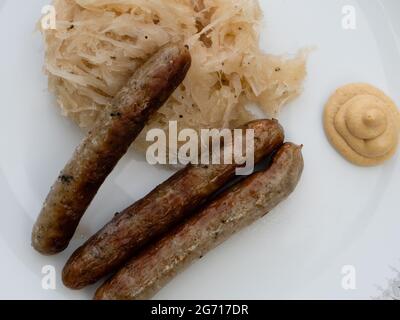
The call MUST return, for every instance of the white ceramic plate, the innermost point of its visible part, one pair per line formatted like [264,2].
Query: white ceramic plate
[340,215]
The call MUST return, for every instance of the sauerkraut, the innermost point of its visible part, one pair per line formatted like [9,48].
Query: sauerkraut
[97,45]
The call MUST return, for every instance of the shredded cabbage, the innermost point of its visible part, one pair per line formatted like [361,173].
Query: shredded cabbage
[98,44]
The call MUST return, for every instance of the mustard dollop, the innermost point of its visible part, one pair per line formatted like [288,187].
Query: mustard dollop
[363,124]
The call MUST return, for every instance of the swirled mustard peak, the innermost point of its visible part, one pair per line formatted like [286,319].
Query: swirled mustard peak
[363,124]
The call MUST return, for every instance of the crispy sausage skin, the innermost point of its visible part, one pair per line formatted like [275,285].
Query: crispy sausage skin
[75,188]
[238,207]
[160,210]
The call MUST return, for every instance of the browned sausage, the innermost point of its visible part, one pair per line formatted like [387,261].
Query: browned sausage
[156,213]
[238,207]
[75,188]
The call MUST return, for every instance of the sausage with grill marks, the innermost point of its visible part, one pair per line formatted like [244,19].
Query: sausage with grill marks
[78,183]
[233,210]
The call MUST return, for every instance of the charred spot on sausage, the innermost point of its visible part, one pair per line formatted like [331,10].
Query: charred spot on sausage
[65,178]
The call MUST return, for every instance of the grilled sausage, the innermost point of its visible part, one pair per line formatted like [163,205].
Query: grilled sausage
[156,213]
[238,207]
[75,188]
